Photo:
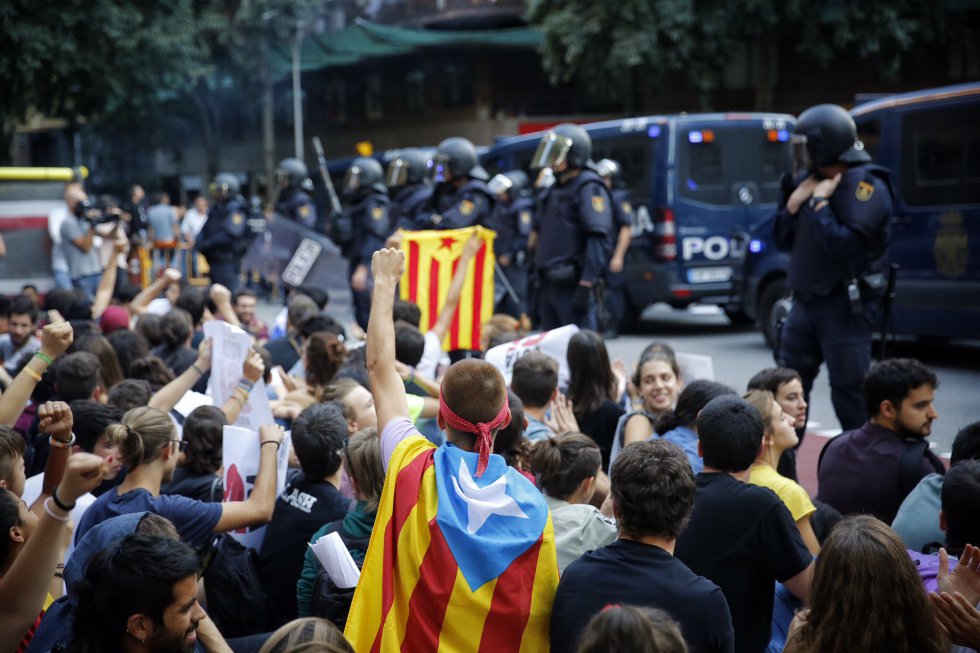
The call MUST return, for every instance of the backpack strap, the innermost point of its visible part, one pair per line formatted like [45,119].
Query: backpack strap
[910,464]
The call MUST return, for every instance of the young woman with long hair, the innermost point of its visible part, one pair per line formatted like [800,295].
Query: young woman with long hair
[592,390]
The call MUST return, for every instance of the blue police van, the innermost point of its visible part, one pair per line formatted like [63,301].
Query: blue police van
[930,140]
[698,182]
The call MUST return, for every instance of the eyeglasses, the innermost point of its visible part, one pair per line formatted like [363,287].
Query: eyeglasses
[181,444]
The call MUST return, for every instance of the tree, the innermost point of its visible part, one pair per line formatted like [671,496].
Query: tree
[605,43]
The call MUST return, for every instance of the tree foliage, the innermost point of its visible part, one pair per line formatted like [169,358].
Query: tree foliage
[601,42]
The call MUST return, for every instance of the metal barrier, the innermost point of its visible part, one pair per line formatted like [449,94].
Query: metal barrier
[191,263]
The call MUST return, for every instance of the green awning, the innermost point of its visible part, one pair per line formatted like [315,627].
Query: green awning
[366,40]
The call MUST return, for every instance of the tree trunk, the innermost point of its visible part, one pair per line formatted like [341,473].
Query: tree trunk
[268,128]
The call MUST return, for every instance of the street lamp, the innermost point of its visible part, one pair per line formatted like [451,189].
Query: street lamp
[297,94]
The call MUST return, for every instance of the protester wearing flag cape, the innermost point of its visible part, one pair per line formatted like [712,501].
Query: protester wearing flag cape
[462,556]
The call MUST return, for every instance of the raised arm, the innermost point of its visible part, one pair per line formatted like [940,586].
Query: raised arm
[252,370]
[257,509]
[24,586]
[55,339]
[148,294]
[55,421]
[107,283]
[221,297]
[386,386]
[441,327]
[167,397]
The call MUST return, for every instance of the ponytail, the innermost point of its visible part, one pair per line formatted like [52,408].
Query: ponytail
[666,422]
[142,435]
[563,462]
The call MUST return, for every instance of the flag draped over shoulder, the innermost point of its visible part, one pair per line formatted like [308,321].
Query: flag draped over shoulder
[431,260]
[456,563]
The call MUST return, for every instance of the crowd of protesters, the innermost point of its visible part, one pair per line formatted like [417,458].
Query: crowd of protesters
[668,524]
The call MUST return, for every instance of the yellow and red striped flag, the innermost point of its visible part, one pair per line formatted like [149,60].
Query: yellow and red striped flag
[456,562]
[431,260]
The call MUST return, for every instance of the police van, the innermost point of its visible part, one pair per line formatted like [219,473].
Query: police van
[930,140]
[698,182]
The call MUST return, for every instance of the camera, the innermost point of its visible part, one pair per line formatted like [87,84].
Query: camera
[94,214]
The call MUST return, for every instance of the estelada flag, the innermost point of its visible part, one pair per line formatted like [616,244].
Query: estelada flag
[431,260]
[456,562]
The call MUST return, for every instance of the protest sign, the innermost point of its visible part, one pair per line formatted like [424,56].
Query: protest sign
[240,459]
[229,348]
[552,343]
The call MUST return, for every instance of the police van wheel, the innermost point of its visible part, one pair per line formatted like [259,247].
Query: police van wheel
[737,317]
[773,307]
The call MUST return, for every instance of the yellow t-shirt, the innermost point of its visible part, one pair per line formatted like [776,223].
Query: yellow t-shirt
[789,491]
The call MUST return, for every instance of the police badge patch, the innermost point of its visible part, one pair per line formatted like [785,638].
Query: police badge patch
[525,217]
[304,211]
[237,218]
[466,207]
[627,208]
[377,212]
[598,203]
[864,191]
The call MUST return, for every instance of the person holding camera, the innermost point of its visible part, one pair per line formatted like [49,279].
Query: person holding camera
[833,220]
[77,238]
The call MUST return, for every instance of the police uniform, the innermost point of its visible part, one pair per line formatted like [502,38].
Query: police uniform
[406,204]
[833,313]
[513,222]
[451,208]
[372,225]
[615,294]
[220,241]
[296,204]
[574,244]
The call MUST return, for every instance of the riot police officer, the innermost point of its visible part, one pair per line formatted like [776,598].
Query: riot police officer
[294,201]
[833,220]
[574,240]
[367,211]
[408,187]
[460,197]
[512,219]
[223,234]
[622,204]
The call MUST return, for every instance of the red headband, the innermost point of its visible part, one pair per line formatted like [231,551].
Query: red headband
[484,441]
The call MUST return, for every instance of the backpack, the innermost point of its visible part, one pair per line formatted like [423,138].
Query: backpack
[236,602]
[329,601]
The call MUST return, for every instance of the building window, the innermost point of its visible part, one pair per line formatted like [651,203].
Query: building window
[415,91]
[373,97]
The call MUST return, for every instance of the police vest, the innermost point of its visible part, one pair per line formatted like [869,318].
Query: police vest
[563,230]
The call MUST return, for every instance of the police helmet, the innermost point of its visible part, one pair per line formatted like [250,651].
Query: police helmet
[608,169]
[225,186]
[825,135]
[454,158]
[364,173]
[409,167]
[566,143]
[292,173]
[512,183]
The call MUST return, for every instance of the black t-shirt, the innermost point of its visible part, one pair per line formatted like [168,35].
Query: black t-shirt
[283,351]
[743,538]
[633,573]
[600,425]
[300,511]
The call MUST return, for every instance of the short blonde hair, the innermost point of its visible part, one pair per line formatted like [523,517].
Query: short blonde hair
[307,635]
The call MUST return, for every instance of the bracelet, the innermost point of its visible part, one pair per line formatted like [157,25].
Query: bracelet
[59,574]
[62,445]
[245,383]
[241,394]
[47,359]
[31,373]
[262,444]
[197,369]
[238,399]
[57,501]
[47,509]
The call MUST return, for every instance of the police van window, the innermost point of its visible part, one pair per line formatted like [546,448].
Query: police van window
[635,156]
[869,133]
[702,165]
[941,156]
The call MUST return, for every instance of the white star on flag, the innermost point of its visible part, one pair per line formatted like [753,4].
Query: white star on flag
[481,502]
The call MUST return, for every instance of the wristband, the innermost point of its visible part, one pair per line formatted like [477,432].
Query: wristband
[197,369]
[245,383]
[31,373]
[47,359]
[58,443]
[240,393]
[262,444]
[57,501]
[47,509]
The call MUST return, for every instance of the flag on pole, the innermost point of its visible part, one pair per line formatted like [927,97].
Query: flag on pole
[456,562]
[431,260]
